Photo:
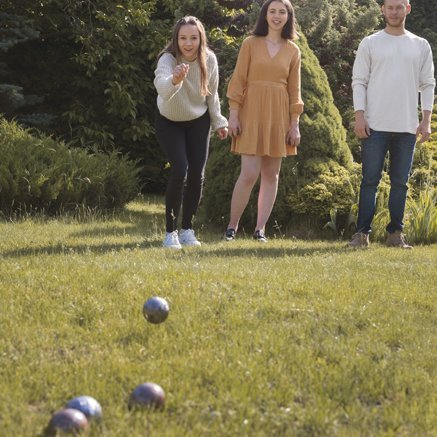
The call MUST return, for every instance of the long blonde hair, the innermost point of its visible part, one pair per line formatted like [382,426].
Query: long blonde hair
[173,48]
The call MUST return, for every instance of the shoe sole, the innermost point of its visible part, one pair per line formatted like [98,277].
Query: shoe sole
[172,247]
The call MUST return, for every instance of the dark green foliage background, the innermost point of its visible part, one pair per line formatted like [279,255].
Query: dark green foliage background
[83,72]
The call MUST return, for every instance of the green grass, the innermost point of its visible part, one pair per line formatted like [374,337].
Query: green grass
[289,338]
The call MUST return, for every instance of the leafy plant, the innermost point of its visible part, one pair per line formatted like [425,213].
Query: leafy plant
[38,173]
[421,218]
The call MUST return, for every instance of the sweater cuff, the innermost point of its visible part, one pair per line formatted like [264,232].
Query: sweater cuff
[219,123]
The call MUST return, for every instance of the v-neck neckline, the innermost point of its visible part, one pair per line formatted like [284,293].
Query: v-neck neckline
[268,51]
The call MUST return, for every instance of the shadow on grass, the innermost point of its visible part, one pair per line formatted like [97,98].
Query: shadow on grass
[135,222]
[275,252]
[204,252]
[65,249]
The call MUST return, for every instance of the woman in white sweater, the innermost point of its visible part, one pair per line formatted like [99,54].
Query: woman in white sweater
[186,79]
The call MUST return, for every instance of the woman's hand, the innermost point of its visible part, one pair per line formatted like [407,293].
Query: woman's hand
[234,127]
[222,132]
[180,73]
[293,134]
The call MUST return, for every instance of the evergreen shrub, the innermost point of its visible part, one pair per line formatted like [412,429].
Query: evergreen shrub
[425,160]
[38,173]
[312,183]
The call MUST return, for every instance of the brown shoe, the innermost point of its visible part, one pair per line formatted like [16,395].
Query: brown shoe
[359,240]
[397,239]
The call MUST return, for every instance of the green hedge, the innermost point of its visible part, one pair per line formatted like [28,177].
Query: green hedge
[320,178]
[40,174]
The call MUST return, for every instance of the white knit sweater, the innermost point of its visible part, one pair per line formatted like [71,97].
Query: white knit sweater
[183,102]
[388,74]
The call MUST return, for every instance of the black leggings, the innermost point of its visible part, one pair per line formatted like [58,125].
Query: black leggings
[186,145]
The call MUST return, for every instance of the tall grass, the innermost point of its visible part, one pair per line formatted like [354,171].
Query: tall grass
[422,218]
[288,338]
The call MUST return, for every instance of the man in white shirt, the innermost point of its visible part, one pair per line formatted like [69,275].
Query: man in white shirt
[392,67]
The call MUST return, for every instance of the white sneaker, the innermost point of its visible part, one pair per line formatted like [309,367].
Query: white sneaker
[171,240]
[187,238]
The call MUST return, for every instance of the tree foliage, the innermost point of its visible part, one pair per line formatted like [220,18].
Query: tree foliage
[92,69]
[334,29]
[422,21]
[83,70]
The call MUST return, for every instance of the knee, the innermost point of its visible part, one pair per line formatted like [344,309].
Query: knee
[370,182]
[195,177]
[248,177]
[270,177]
[178,173]
[399,182]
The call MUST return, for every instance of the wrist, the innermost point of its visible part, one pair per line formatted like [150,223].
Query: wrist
[426,117]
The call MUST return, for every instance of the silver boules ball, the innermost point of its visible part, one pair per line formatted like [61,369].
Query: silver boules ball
[156,309]
[88,405]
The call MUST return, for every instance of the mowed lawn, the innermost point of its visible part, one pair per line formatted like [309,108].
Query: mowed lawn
[289,338]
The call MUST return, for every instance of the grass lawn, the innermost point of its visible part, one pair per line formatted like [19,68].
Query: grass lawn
[290,338]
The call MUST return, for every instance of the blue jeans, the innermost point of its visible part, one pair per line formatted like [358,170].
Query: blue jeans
[373,152]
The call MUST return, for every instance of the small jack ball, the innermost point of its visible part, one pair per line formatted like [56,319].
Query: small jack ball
[87,405]
[68,420]
[156,309]
[147,395]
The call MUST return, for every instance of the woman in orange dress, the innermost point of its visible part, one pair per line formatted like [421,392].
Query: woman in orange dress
[265,105]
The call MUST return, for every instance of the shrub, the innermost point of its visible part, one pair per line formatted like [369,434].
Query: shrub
[425,160]
[38,173]
[312,183]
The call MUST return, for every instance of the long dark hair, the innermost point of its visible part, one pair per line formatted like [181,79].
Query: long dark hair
[288,31]
[173,48]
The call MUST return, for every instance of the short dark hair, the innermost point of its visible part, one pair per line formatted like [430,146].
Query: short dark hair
[288,31]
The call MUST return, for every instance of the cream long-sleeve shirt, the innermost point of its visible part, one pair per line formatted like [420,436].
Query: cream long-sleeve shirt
[183,102]
[389,72]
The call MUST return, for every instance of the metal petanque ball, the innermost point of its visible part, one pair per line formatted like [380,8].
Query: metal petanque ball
[147,395]
[87,405]
[68,420]
[156,309]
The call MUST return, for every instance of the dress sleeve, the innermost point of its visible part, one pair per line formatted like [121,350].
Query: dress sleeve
[237,84]
[293,87]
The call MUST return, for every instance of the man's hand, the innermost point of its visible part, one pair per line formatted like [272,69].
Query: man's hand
[361,128]
[423,131]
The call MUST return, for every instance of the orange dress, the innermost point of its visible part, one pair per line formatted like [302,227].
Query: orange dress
[266,92]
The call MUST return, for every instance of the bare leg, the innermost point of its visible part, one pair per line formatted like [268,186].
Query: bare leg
[270,168]
[250,170]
